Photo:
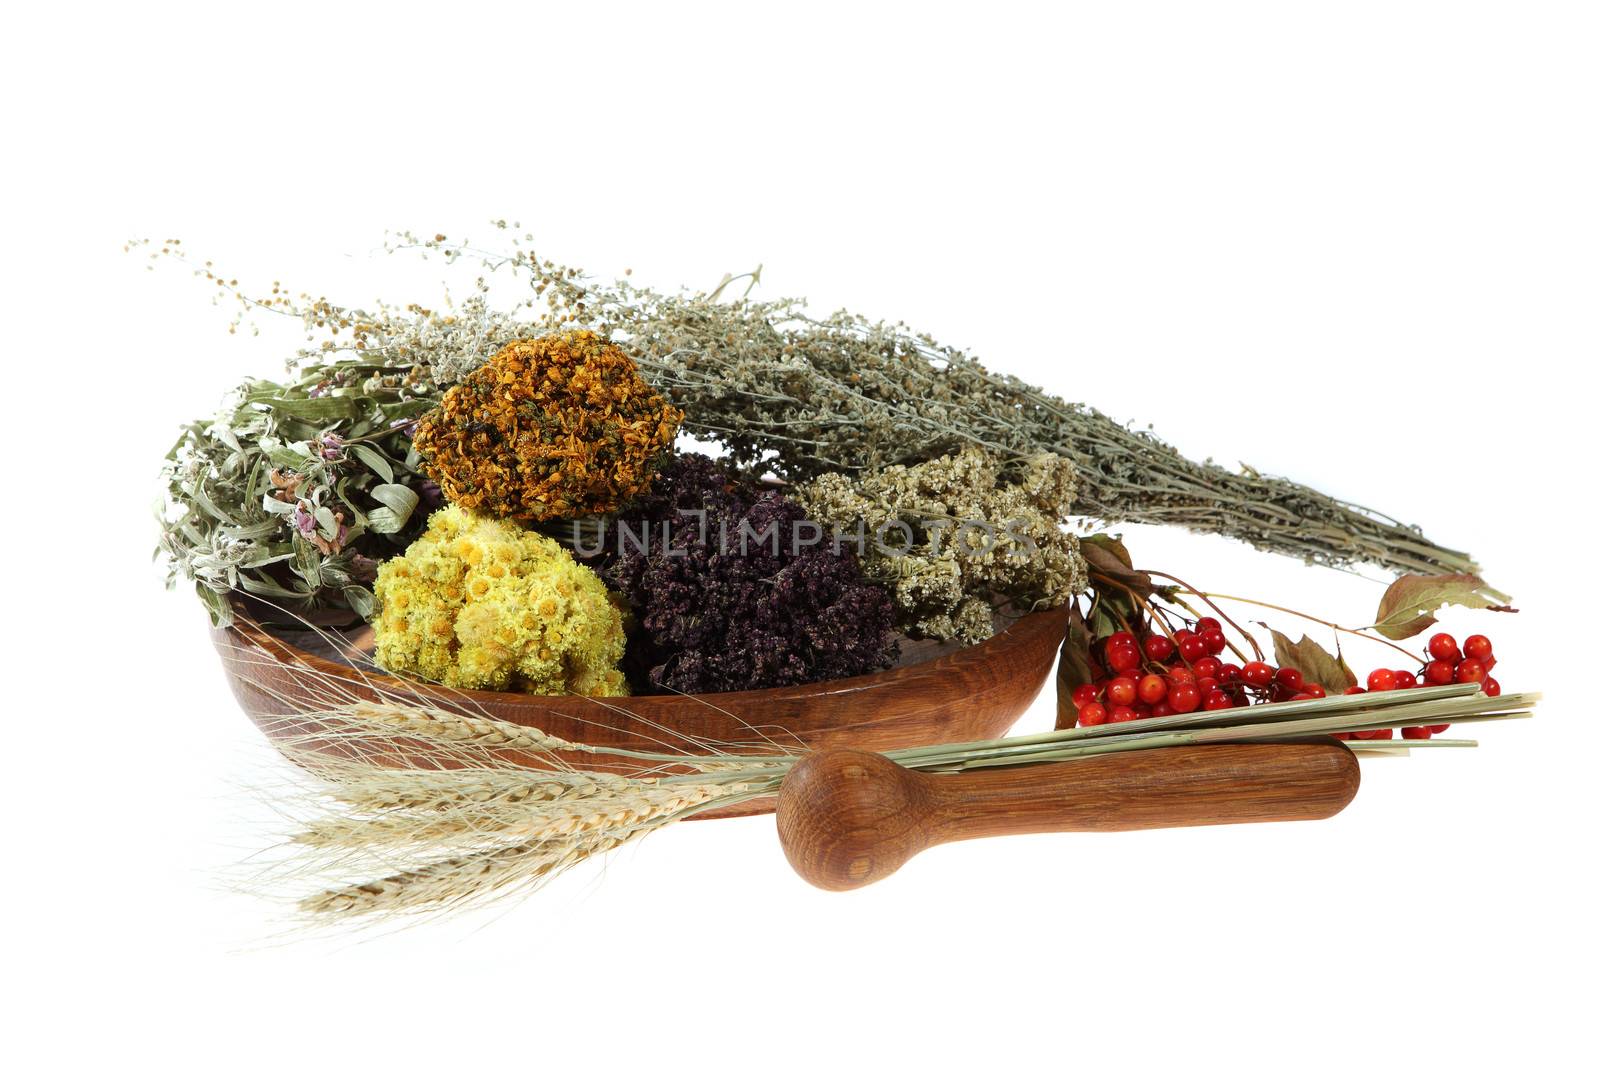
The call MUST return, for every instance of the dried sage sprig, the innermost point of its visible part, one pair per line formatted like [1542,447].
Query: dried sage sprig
[292,492]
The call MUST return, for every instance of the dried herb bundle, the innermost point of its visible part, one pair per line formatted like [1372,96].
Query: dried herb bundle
[807,395]
[948,540]
[292,492]
[733,598]
[480,603]
[556,427]
[782,388]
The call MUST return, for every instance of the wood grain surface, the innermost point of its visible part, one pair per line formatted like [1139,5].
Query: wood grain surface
[848,818]
[968,694]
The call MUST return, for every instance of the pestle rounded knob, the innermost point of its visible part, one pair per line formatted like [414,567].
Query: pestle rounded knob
[847,818]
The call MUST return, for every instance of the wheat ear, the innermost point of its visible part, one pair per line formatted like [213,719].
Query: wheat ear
[441,725]
[462,878]
[433,791]
[587,808]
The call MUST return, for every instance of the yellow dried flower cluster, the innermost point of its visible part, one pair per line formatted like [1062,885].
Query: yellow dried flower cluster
[549,428]
[479,603]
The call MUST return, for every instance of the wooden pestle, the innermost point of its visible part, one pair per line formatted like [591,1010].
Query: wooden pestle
[848,818]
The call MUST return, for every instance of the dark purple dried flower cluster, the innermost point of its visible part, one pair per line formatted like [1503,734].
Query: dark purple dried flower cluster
[731,603]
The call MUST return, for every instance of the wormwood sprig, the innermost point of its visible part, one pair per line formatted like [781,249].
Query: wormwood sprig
[488,819]
[806,394]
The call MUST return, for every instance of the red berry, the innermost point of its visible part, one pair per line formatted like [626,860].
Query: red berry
[1122,657]
[1314,691]
[1085,694]
[1215,641]
[1123,637]
[1207,623]
[1301,696]
[1443,646]
[1179,635]
[1382,680]
[1206,684]
[1353,690]
[1217,700]
[1191,648]
[1158,649]
[1230,674]
[1152,689]
[1206,667]
[1441,728]
[1383,735]
[1179,674]
[1122,715]
[1289,679]
[1364,735]
[1162,710]
[1092,714]
[1184,697]
[1438,671]
[1416,733]
[1405,680]
[1122,691]
[1257,675]
[1471,670]
[1477,647]
[1491,688]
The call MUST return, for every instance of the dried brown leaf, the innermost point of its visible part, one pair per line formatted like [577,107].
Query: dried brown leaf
[1408,605]
[1072,670]
[1107,556]
[1312,660]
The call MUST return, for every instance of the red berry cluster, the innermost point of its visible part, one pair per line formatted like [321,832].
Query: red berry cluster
[1469,662]
[1175,675]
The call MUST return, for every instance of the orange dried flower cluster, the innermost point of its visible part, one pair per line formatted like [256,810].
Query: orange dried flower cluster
[549,428]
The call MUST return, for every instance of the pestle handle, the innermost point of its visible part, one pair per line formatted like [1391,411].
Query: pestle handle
[848,818]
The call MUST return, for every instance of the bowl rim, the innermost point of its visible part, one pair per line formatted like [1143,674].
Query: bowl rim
[1025,629]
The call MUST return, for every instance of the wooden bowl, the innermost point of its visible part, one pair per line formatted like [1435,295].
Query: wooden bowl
[963,695]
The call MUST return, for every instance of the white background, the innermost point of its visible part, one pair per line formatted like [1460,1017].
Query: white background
[1350,243]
